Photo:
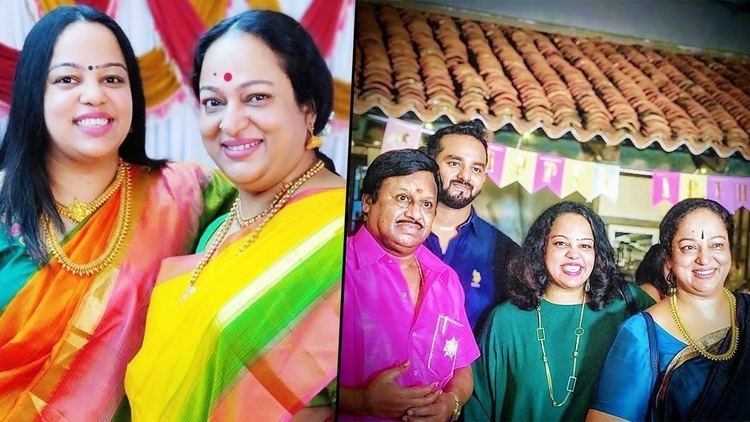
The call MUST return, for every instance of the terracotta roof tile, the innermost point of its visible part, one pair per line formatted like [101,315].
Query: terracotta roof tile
[436,65]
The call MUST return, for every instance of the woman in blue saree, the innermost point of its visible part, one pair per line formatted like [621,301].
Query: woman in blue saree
[687,357]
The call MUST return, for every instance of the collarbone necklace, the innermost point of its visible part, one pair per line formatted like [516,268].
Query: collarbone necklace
[115,241]
[734,329]
[78,211]
[265,216]
[540,336]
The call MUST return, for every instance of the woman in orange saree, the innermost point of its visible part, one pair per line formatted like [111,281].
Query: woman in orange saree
[87,218]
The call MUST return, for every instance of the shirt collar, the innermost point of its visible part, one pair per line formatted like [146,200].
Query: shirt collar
[470,222]
[367,251]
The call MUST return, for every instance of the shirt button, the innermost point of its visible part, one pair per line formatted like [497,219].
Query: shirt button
[403,294]
[415,373]
[413,334]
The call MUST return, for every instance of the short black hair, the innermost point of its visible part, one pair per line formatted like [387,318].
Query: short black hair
[675,215]
[474,128]
[396,163]
[25,191]
[651,269]
[530,275]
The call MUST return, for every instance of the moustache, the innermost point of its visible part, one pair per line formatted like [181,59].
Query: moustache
[410,221]
[462,183]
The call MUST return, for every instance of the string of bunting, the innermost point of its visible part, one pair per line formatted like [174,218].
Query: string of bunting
[536,171]
[733,192]
[533,171]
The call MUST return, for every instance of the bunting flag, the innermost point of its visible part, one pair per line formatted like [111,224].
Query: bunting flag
[578,177]
[519,166]
[731,192]
[607,181]
[692,186]
[495,162]
[400,134]
[549,173]
[665,187]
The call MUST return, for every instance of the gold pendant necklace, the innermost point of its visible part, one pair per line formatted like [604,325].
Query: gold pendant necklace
[541,337]
[735,330]
[78,211]
[122,224]
[266,215]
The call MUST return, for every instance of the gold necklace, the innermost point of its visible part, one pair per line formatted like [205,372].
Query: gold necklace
[78,211]
[541,337]
[694,344]
[114,242]
[223,230]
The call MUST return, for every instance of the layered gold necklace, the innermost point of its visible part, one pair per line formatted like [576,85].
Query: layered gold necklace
[735,330]
[571,386]
[114,243]
[235,215]
[78,211]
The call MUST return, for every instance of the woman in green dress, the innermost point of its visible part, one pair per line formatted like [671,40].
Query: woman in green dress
[543,349]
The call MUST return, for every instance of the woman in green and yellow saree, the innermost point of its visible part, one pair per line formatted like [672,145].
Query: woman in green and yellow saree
[248,330]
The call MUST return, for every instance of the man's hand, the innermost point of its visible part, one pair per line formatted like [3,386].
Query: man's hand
[439,411]
[383,398]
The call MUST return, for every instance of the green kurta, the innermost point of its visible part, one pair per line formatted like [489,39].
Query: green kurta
[509,377]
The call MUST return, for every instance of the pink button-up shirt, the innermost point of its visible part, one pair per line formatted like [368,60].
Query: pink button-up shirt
[382,327]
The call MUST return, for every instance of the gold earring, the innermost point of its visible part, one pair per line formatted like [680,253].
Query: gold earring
[313,141]
[671,284]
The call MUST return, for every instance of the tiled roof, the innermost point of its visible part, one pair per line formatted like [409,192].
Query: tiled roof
[436,65]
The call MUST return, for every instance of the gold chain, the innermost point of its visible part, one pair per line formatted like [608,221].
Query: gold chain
[78,211]
[541,337]
[266,215]
[114,243]
[694,344]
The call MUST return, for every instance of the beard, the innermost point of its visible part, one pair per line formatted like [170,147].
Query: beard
[455,201]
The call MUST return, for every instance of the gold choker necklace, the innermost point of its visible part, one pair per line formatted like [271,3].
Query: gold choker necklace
[78,211]
[122,224]
[541,337]
[735,331]
[265,216]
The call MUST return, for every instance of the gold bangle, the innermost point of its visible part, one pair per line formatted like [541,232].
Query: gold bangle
[457,409]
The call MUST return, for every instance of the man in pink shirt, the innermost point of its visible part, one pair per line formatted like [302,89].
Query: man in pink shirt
[407,345]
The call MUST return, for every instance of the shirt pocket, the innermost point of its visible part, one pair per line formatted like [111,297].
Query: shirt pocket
[444,348]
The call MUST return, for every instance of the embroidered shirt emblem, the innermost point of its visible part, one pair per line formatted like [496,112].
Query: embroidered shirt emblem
[451,347]
[476,279]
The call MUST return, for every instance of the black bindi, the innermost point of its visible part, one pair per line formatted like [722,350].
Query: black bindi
[701,234]
[91,67]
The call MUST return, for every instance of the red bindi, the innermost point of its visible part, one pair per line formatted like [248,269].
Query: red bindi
[227,76]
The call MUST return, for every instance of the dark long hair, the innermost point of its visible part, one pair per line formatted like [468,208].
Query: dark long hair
[530,275]
[296,50]
[25,191]
[651,269]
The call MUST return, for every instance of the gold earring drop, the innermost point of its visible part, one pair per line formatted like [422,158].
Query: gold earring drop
[313,141]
